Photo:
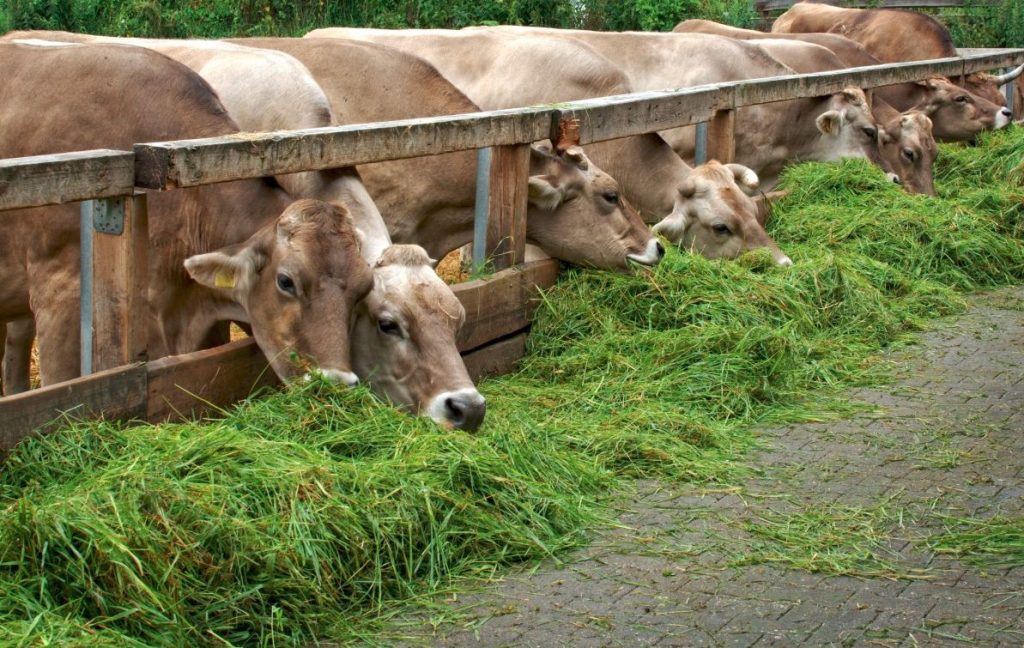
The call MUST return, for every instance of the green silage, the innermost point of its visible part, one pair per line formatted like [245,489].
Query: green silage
[303,512]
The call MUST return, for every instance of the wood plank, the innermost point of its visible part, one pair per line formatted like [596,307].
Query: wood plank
[721,144]
[502,304]
[495,359]
[115,394]
[617,116]
[65,177]
[120,273]
[197,384]
[506,206]
[187,163]
[987,61]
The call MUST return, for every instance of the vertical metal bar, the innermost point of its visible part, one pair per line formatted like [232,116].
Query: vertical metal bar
[85,285]
[483,192]
[700,149]
[1008,92]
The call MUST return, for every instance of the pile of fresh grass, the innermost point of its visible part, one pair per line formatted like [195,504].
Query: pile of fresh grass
[302,513]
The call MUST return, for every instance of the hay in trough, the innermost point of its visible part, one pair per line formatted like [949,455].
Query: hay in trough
[306,511]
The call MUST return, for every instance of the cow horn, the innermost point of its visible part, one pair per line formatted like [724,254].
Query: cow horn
[744,175]
[1010,76]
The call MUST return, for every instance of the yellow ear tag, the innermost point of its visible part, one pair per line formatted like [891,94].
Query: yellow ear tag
[224,279]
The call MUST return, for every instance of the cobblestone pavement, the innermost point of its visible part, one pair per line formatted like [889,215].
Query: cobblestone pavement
[946,444]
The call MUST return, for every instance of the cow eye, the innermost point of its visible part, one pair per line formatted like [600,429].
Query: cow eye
[721,228]
[870,132]
[389,327]
[961,99]
[286,285]
[611,197]
[909,155]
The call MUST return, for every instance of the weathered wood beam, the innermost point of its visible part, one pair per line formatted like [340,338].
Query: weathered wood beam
[187,163]
[65,177]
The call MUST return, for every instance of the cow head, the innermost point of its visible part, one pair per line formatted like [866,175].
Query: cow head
[577,214]
[989,86]
[403,340]
[713,217]
[908,149]
[296,281]
[956,113]
[847,128]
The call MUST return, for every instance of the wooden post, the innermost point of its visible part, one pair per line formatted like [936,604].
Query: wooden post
[120,273]
[509,189]
[721,143]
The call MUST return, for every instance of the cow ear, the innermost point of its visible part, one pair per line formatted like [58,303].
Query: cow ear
[829,122]
[544,193]
[576,156]
[231,268]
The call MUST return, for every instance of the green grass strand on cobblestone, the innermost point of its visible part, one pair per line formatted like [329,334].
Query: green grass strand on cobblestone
[996,542]
[303,513]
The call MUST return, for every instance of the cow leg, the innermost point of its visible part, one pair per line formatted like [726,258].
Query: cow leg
[18,355]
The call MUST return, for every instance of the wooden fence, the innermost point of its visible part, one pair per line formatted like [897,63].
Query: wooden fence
[121,384]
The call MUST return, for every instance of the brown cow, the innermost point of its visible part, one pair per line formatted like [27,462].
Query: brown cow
[767,136]
[267,90]
[951,122]
[907,146]
[894,35]
[272,276]
[649,173]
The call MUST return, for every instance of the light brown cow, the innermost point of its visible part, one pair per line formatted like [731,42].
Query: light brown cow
[153,99]
[268,90]
[894,35]
[436,212]
[951,122]
[906,146]
[649,173]
[767,136]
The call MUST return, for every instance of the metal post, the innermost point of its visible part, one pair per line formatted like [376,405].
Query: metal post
[85,285]
[483,191]
[700,150]
[1008,92]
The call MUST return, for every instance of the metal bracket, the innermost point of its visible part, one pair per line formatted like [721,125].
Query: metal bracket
[108,216]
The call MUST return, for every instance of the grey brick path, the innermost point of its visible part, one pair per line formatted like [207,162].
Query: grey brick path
[948,441]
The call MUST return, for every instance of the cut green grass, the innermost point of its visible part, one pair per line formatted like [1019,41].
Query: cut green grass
[996,542]
[308,513]
[827,538]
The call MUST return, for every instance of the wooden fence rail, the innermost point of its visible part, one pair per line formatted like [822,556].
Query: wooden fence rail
[115,236]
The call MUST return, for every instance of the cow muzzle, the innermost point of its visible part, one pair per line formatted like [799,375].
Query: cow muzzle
[652,255]
[463,409]
[336,376]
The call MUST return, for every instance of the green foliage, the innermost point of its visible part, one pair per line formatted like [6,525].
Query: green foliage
[221,18]
[301,513]
[986,25]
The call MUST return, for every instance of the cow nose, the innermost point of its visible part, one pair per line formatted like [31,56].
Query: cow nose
[339,377]
[463,409]
[660,249]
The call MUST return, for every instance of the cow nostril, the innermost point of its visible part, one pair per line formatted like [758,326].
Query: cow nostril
[660,248]
[455,412]
[1007,112]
